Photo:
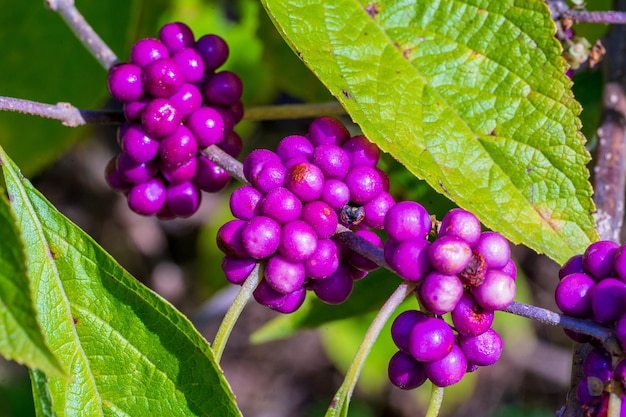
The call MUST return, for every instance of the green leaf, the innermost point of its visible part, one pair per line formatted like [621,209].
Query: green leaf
[469,95]
[21,339]
[128,351]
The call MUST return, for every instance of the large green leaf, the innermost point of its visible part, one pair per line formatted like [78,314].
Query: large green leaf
[127,350]
[470,95]
[20,336]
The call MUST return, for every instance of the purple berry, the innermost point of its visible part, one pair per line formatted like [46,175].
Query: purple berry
[125,82]
[321,217]
[229,239]
[431,339]
[469,318]
[496,292]
[335,193]
[283,303]
[608,298]
[598,363]
[620,330]
[237,112]
[187,99]
[305,180]
[405,372]
[361,151]
[327,130]
[231,144]
[377,208]
[598,258]
[406,220]
[207,125]
[268,176]
[403,325]
[163,77]
[160,118]
[573,294]
[244,202]
[223,88]
[408,258]
[440,293]
[574,264]
[147,198]
[336,288]
[482,350]
[183,199]
[294,145]
[190,63]
[113,177]
[253,163]
[448,370]
[461,223]
[176,35]
[510,269]
[261,237]
[494,248]
[135,172]
[148,50]
[449,254]
[133,109]
[178,148]
[364,184]
[332,160]
[281,205]
[210,177]
[214,51]
[237,270]
[324,261]
[298,241]
[282,275]
[138,145]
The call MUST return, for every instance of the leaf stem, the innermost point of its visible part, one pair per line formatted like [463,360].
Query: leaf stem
[347,387]
[85,33]
[436,399]
[234,311]
[294,111]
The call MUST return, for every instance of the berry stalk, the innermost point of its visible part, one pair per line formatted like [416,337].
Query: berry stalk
[77,23]
[347,387]
[436,399]
[234,311]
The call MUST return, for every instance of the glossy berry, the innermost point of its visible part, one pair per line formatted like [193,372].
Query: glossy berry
[261,237]
[431,339]
[283,303]
[408,258]
[332,160]
[598,258]
[608,298]
[148,50]
[135,172]
[376,209]
[336,288]
[449,254]
[281,205]
[186,99]
[210,177]
[469,318]
[214,51]
[148,197]
[125,82]
[190,63]
[403,325]
[183,199]
[364,183]
[237,270]
[574,264]
[573,294]
[244,202]
[405,372]
[324,261]
[440,293]
[163,77]
[461,223]
[496,292]
[293,146]
[361,151]
[207,125]
[335,193]
[230,240]
[321,217]
[138,145]
[160,118]
[282,275]
[407,220]
[327,130]
[494,248]
[223,88]
[448,370]
[305,180]
[484,349]
[176,35]
[298,241]
[179,147]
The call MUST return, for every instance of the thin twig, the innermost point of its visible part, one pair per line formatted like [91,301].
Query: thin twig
[294,111]
[608,17]
[67,114]
[435,402]
[77,23]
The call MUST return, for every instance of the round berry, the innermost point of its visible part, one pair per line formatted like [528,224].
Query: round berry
[574,264]
[138,145]
[229,239]
[176,35]
[573,294]
[163,77]
[207,125]
[449,254]
[113,177]
[494,248]
[332,160]
[223,88]
[187,99]
[210,177]
[261,237]
[377,208]
[364,184]
[321,217]
[244,202]
[336,288]
[405,372]
[135,172]
[361,151]
[461,223]
[431,339]
[598,258]
[160,118]
[125,82]
[190,63]
[305,180]
[282,275]
[327,130]
[237,270]
[496,292]
[268,176]
[298,241]
[406,220]
[214,51]
[283,303]
[484,349]
[148,50]
[281,205]
[178,148]
[469,318]
[408,258]
[608,298]
[324,261]
[448,370]
[133,109]
[294,145]
[183,199]
[440,293]
[403,325]
[147,198]
[335,193]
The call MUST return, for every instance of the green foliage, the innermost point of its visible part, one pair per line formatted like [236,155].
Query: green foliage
[493,127]
[126,349]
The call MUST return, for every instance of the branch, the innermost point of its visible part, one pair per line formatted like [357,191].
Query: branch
[67,114]
[608,18]
[294,111]
[83,31]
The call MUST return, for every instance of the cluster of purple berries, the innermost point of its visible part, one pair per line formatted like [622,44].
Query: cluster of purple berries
[598,371]
[289,212]
[593,286]
[463,271]
[175,104]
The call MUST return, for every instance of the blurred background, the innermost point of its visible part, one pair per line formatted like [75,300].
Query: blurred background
[274,369]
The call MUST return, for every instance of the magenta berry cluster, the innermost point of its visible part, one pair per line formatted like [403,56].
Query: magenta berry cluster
[593,390]
[463,271]
[289,212]
[176,103]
